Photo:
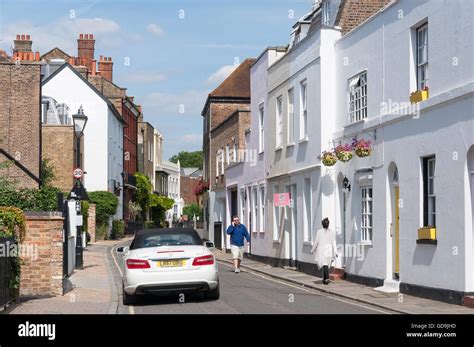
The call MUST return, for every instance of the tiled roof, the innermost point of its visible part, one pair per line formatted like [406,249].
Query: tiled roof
[237,84]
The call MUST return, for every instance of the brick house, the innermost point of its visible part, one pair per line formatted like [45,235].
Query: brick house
[130,113]
[190,178]
[232,95]
[20,116]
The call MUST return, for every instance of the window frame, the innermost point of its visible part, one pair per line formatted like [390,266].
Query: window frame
[422,66]
[261,120]
[290,117]
[357,97]
[304,109]
[279,122]
[367,213]
[307,208]
[429,192]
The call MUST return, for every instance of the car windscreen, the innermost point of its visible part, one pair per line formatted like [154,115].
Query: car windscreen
[166,239]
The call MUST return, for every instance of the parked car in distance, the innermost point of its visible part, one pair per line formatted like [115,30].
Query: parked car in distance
[168,260]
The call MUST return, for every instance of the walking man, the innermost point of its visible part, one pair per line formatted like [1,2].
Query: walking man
[238,232]
[325,248]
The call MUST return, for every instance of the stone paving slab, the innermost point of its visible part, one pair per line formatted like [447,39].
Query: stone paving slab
[400,303]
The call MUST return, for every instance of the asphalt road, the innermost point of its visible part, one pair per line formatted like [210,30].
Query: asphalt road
[244,293]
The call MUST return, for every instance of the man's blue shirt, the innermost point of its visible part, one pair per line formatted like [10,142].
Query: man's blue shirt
[237,234]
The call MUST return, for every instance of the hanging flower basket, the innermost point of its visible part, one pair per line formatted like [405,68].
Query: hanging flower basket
[328,158]
[201,188]
[362,148]
[344,153]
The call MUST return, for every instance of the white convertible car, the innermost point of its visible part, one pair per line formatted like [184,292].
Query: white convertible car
[168,260]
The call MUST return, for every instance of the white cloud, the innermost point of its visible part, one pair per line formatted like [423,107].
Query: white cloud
[189,102]
[155,30]
[64,32]
[143,77]
[220,75]
[192,139]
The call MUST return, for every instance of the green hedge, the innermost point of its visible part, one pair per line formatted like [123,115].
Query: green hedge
[43,199]
[106,206]
[118,229]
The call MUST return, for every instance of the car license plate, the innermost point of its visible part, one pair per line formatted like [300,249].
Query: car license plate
[170,263]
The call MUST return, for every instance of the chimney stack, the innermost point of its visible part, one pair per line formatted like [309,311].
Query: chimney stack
[22,43]
[106,67]
[85,49]
[94,67]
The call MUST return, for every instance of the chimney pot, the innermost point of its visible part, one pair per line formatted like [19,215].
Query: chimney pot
[28,37]
[91,36]
[81,36]
[23,37]
[37,56]
[17,37]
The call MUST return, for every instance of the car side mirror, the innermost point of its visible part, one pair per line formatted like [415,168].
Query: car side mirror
[122,249]
[209,244]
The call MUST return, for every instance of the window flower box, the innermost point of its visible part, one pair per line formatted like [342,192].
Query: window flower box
[427,233]
[419,95]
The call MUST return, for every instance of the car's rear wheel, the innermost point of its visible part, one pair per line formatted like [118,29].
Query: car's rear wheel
[128,299]
[213,294]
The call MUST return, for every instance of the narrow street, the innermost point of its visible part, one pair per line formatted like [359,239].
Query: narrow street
[245,293]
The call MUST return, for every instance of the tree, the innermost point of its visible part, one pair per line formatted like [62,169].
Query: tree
[159,205]
[191,210]
[188,159]
[143,193]
[47,172]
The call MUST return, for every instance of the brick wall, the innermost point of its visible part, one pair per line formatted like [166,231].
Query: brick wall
[218,112]
[230,132]
[43,276]
[187,186]
[20,119]
[55,54]
[353,12]
[59,147]
[91,222]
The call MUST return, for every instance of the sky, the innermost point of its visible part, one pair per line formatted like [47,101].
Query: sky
[169,54]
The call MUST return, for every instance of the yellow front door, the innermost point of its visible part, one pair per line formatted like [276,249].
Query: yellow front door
[397,230]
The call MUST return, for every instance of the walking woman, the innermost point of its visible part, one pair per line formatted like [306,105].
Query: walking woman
[325,248]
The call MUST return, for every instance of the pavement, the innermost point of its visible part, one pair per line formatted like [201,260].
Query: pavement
[259,289]
[395,302]
[91,290]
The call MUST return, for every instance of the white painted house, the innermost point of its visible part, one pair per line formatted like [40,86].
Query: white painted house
[300,123]
[103,134]
[335,85]
[173,172]
[246,185]
[420,172]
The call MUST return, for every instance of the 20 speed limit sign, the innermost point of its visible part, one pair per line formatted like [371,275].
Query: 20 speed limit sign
[78,173]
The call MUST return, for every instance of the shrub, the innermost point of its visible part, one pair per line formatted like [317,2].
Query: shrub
[101,232]
[191,210]
[106,206]
[118,229]
[43,199]
[149,224]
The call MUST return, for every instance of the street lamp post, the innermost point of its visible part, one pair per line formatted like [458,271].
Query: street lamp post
[79,122]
